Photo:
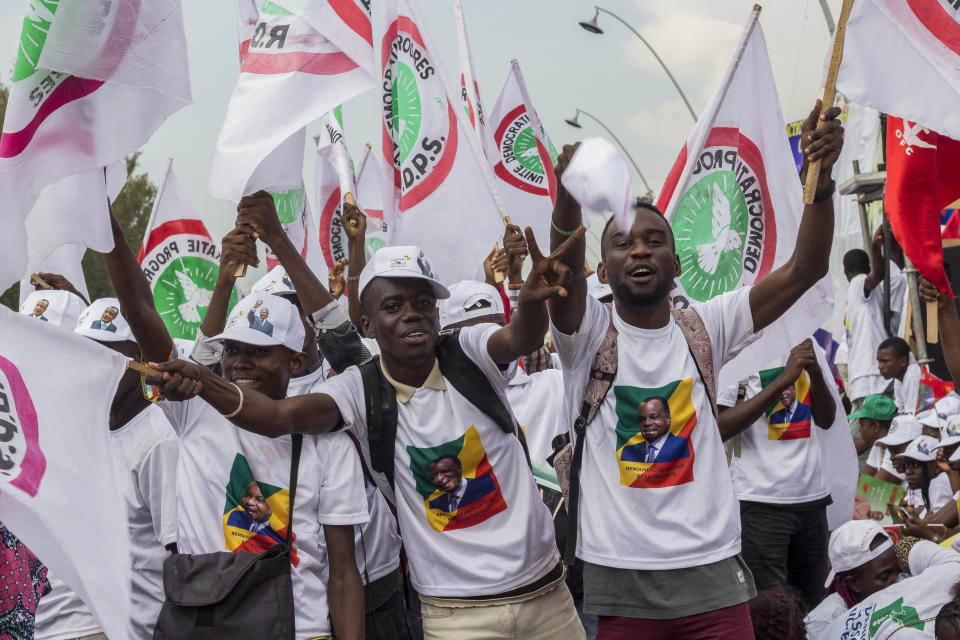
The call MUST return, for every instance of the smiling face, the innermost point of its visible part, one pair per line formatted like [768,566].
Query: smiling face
[109,315]
[787,396]
[264,313]
[446,474]
[402,314]
[40,308]
[654,419]
[641,264]
[254,504]
[264,369]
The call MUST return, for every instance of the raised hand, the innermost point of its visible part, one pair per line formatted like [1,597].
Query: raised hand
[929,293]
[566,155]
[179,380]
[549,276]
[495,262]
[257,213]
[515,247]
[824,142]
[58,282]
[801,358]
[354,222]
[335,280]
[237,248]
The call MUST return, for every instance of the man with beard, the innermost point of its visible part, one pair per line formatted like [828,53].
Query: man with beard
[687,579]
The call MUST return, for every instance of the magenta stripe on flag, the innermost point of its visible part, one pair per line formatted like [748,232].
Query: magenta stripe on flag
[319,64]
[73,88]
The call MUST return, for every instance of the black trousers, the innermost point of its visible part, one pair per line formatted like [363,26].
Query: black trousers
[785,546]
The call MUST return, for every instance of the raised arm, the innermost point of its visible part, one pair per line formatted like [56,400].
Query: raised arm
[878,266]
[737,419]
[237,248]
[548,279]
[259,214]
[355,226]
[567,312]
[136,298]
[949,323]
[58,282]
[310,414]
[822,405]
[772,296]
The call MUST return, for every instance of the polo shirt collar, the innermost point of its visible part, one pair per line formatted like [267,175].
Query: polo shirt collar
[405,392]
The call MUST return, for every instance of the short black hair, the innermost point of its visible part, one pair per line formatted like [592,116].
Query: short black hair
[663,401]
[447,456]
[856,261]
[640,205]
[896,344]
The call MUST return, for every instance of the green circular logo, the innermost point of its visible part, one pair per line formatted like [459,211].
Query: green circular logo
[376,244]
[710,227]
[289,204]
[407,111]
[525,149]
[182,293]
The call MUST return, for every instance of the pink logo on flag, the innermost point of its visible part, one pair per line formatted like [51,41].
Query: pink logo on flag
[22,463]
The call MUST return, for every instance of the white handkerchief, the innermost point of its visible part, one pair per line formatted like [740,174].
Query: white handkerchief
[598,178]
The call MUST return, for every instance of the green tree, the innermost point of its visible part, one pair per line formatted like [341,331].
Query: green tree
[131,208]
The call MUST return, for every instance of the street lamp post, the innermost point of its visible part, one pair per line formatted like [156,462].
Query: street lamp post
[592,27]
[575,122]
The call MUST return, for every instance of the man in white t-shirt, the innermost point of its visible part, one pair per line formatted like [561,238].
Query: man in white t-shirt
[146,454]
[778,474]
[661,541]
[377,543]
[862,561]
[905,609]
[893,362]
[492,566]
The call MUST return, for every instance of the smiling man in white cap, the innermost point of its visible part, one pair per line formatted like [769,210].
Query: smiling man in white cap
[863,562]
[493,559]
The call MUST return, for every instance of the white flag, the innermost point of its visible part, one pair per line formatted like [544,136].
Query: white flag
[734,201]
[442,187]
[58,487]
[302,59]
[91,84]
[180,259]
[469,87]
[522,157]
[334,179]
[370,199]
[903,58]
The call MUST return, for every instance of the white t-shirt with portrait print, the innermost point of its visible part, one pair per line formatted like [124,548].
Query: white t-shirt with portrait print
[776,465]
[233,488]
[500,536]
[145,450]
[679,511]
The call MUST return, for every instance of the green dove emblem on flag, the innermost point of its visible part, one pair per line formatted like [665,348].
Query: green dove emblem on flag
[520,164]
[36,25]
[899,613]
[723,225]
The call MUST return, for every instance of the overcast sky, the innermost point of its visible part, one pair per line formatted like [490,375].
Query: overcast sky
[613,75]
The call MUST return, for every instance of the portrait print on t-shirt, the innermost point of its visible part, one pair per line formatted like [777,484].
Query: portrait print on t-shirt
[256,514]
[789,417]
[457,483]
[654,448]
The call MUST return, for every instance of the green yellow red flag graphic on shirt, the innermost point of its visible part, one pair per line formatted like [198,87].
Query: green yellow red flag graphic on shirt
[789,417]
[457,483]
[255,514]
[654,427]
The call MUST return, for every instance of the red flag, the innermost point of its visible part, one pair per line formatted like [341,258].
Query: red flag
[923,177]
[932,389]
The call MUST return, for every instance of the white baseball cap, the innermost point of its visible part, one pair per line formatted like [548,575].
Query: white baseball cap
[266,321]
[850,546]
[58,308]
[401,262]
[948,405]
[276,282]
[103,322]
[923,449]
[597,289]
[902,429]
[184,348]
[470,299]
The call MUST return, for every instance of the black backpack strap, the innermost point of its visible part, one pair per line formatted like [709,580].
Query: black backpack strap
[602,372]
[381,406]
[472,383]
[294,471]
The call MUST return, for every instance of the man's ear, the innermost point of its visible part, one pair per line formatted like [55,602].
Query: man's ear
[602,273]
[366,327]
[298,364]
[677,270]
[853,583]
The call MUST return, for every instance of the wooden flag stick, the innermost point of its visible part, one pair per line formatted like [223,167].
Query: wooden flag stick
[829,95]
[38,281]
[144,369]
[933,324]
